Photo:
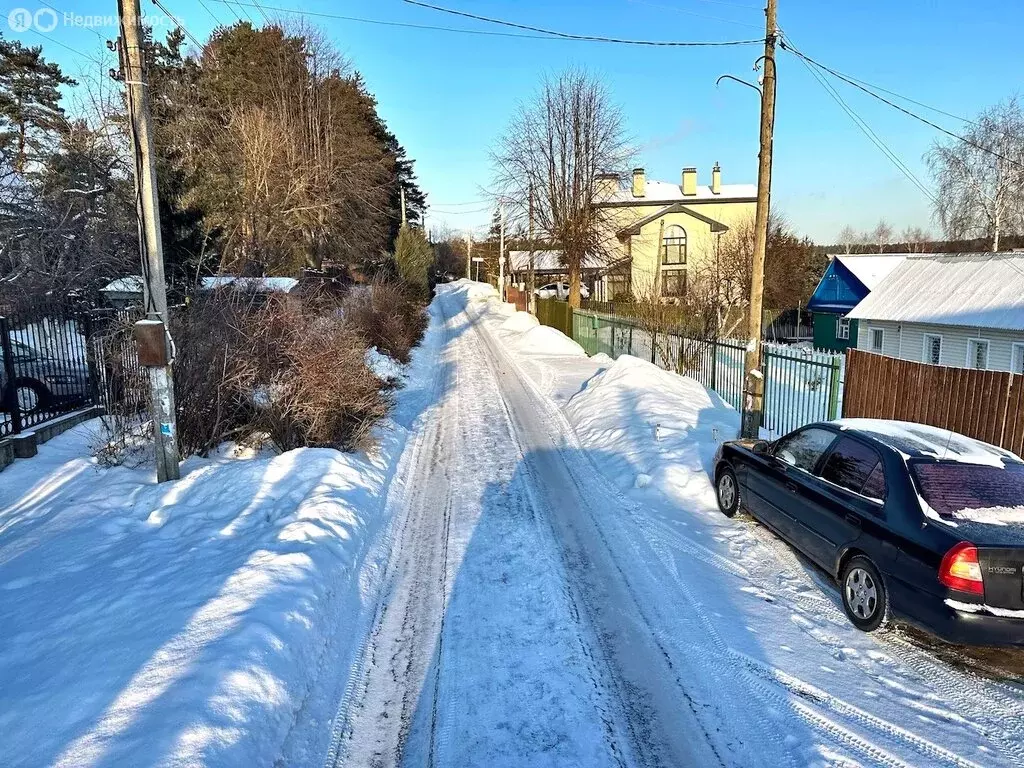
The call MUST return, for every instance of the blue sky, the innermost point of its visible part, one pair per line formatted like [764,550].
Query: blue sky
[449,96]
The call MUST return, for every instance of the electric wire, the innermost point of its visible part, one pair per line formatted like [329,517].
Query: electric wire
[872,136]
[807,59]
[587,38]
[179,23]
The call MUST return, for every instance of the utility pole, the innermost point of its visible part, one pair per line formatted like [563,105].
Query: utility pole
[530,277]
[469,256]
[152,334]
[501,254]
[402,191]
[754,378]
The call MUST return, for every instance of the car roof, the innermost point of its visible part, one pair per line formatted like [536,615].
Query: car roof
[922,441]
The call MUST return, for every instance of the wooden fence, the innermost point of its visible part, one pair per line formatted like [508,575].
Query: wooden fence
[987,405]
[557,314]
[515,296]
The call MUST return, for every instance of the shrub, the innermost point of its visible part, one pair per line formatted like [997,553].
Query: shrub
[388,315]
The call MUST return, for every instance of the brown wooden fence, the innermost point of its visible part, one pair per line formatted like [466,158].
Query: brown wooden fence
[515,296]
[987,405]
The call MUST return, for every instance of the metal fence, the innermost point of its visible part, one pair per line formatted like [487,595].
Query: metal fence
[801,385]
[55,358]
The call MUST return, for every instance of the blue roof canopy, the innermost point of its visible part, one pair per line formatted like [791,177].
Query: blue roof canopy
[838,291]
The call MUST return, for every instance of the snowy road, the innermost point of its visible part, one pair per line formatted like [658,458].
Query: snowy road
[535,610]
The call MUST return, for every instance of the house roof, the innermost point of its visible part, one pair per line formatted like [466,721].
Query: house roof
[259,284]
[849,278]
[548,260]
[871,268]
[634,228]
[975,290]
[665,192]
[129,284]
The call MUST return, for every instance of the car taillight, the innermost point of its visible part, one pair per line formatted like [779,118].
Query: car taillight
[960,569]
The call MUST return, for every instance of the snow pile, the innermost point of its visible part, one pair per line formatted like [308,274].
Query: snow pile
[652,429]
[471,290]
[544,340]
[520,322]
[385,367]
[193,622]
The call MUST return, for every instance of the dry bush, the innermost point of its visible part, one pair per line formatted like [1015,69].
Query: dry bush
[325,395]
[388,315]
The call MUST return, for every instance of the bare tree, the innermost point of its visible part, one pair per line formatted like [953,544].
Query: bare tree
[551,152]
[848,238]
[882,234]
[917,239]
[980,181]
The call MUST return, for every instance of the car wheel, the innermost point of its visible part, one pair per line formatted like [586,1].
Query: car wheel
[865,598]
[31,396]
[727,491]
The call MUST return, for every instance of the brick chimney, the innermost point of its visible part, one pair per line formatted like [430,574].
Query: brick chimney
[716,180]
[639,182]
[689,182]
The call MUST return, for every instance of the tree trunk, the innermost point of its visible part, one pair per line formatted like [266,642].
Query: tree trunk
[574,285]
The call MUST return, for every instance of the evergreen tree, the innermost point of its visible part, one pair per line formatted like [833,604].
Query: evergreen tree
[30,111]
[414,257]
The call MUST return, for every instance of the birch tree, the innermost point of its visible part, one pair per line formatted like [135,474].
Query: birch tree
[554,147]
[980,181]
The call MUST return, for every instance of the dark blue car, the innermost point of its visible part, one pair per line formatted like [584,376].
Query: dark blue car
[912,521]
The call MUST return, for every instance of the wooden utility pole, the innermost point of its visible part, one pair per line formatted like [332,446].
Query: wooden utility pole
[402,192]
[754,378]
[157,357]
[501,254]
[469,256]
[530,276]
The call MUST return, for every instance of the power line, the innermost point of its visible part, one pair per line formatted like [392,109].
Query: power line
[926,121]
[381,22]
[588,38]
[867,131]
[177,21]
[212,14]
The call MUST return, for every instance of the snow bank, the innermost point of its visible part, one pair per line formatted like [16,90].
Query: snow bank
[385,367]
[544,340]
[193,622]
[470,289]
[520,322]
[652,430]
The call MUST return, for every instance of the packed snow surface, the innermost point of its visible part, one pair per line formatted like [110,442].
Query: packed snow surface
[520,322]
[531,570]
[544,340]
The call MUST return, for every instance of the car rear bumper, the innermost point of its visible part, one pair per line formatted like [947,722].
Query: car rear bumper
[932,614]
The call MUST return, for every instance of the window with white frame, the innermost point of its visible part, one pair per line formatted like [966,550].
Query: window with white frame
[877,339]
[1017,357]
[977,354]
[842,328]
[932,349]
[673,246]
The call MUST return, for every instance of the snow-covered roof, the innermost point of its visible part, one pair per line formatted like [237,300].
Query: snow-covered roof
[974,290]
[870,268]
[549,260]
[663,191]
[263,284]
[129,284]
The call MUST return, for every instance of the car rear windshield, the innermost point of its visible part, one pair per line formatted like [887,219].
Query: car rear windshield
[954,489]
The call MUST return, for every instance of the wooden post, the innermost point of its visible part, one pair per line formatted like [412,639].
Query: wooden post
[754,377]
[161,382]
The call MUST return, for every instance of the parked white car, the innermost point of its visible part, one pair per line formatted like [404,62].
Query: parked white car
[559,291]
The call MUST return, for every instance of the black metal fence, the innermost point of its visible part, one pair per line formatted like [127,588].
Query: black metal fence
[57,358]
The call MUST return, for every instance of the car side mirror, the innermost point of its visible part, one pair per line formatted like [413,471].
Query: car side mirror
[761,447]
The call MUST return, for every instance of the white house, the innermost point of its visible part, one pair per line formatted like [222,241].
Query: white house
[961,310]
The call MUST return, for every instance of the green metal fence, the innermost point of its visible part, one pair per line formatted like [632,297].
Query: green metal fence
[555,313]
[801,385]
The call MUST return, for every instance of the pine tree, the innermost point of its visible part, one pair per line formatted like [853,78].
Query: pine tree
[30,111]
[414,257]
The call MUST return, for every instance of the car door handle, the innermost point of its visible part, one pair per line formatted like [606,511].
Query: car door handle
[792,486]
[853,520]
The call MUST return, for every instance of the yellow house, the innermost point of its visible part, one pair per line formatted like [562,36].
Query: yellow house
[662,233]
